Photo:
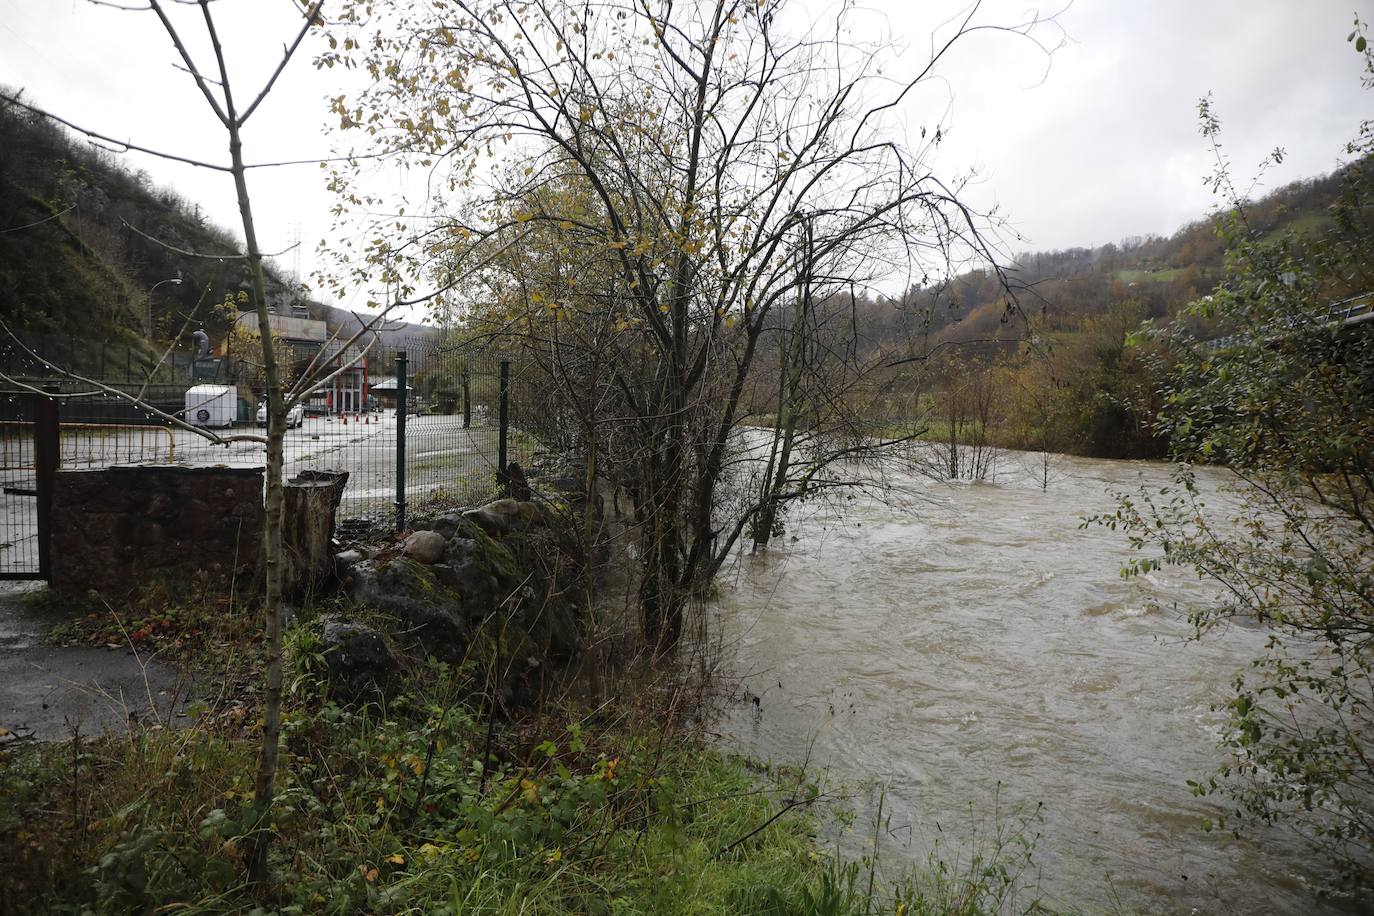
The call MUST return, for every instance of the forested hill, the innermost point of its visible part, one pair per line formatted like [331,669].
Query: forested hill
[1081,388]
[1062,288]
[77,257]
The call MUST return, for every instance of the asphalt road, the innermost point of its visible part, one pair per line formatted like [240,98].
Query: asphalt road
[49,692]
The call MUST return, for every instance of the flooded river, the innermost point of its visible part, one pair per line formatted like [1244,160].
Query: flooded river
[972,650]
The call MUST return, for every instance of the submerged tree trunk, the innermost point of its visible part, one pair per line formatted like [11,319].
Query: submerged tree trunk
[789,406]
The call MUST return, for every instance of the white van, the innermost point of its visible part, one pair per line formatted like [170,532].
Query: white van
[212,405]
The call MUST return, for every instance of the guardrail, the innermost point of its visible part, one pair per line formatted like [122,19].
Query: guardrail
[88,445]
[1347,313]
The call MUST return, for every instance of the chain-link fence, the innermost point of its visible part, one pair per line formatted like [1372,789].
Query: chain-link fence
[423,429]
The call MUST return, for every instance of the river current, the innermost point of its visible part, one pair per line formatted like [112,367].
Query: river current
[975,653]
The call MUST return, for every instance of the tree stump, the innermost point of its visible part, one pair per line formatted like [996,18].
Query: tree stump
[312,500]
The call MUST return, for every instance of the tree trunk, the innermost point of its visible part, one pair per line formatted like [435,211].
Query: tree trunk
[264,789]
[467,399]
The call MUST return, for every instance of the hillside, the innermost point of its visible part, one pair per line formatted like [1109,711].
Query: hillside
[75,253]
[1051,370]
[1058,290]
[77,261]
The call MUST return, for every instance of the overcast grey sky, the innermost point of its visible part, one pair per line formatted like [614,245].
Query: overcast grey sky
[1102,146]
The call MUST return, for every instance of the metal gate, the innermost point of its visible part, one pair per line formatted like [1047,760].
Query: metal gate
[29,456]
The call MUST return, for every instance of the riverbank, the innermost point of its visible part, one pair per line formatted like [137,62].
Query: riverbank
[425,803]
[393,809]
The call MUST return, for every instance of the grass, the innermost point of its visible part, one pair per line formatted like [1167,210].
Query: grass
[1307,224]
[1167,275]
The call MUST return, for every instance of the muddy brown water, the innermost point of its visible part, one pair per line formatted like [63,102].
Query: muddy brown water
[973,652]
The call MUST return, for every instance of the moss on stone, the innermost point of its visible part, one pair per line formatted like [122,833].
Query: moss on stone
[499,557]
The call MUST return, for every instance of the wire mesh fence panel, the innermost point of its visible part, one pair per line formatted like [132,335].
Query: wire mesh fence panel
[427,437]
[18,488]
[100,429]
[453,432]
[437,444]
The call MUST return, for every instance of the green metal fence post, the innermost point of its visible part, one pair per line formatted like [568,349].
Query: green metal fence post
[400,440]
[504,424]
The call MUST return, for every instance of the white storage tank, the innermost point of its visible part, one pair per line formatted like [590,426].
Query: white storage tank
[212,405]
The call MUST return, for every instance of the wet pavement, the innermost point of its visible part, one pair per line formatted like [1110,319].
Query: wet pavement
[49,692]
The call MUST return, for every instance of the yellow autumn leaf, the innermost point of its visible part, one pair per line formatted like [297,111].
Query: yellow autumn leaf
[396,859]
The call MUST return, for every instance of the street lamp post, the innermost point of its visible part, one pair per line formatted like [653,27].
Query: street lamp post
[148,329]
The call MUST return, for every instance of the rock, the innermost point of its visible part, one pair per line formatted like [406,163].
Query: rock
[448,524]
[491,586]
[553,626]
[429,616]
[357,661]
[425,547]
[471,582]
[505,515]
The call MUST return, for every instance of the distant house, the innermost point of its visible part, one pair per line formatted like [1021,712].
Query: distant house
[384,389]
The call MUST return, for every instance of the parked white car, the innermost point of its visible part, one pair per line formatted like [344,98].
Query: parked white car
[295,417]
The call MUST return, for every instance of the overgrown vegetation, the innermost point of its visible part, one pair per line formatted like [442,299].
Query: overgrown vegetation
[658,195]
[424,804]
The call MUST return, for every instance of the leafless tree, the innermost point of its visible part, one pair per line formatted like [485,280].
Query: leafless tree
[687,147]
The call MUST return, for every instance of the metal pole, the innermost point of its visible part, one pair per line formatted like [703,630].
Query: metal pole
[47,456]
[504,423]
[401,440]
[367,413]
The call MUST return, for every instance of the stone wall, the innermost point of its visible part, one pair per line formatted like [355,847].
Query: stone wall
[122,532]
